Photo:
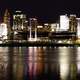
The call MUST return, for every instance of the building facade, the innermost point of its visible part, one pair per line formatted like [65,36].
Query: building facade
[64,23]
[78,28]
[72,23]
[6,20]
[19,21]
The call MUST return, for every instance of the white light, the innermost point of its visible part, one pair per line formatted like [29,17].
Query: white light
[21,15]
[26,21]
[60,41]
[3,31]
[33,19]
[64,23]
[78,59]
[15,32]
[46,24]
[32,39]
[18,11]
[53,27]
[39,26]
[57,28]
[64,62]
[78,27]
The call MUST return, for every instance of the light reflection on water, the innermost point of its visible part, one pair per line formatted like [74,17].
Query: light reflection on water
[39,63]
[64,62]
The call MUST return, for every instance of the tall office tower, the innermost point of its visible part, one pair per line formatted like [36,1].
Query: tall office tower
[64,23]
[33,23]
[33,26]
[73,23]
[19,21]
[78,27]
[6,20]
[3,31]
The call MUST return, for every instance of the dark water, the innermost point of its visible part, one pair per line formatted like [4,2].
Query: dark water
[39,63]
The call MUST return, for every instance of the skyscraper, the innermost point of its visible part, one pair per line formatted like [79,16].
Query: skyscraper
[33,28]
[64,23]
[19,20]
[73,23]
[78,27]
[6,20]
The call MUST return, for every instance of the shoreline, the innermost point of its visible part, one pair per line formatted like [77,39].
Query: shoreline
[27,44]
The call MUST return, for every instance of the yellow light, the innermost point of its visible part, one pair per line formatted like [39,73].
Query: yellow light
[64,62]
[39,26]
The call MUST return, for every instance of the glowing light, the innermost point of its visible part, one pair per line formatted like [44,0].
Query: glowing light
[32,39]
[30,36]
[78,27]
[39,26]
[46,24]
[18,11]
[53,27]
[78,59]
[60,41]
[64,23]
[64,62]
[3,31]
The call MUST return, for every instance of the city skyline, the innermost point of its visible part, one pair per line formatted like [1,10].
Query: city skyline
[44,10]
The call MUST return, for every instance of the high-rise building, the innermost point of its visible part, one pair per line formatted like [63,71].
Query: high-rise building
[78,27]
[33,28]
[64,23]
[6,20]
[73,23]
[3,31]
[33,23]
[19,21]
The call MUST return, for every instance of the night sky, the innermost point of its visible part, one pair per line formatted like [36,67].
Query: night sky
[45,10]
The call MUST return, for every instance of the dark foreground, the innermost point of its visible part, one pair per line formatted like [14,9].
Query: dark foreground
[39,63]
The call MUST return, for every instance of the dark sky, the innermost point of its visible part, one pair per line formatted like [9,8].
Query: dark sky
[45,10]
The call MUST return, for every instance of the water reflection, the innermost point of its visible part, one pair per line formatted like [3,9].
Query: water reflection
[78,62]
[64,62]
[39,63]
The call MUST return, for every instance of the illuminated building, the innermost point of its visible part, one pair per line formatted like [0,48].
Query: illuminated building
[73,23]
[19,21]
[58,27]
[33,28]
[3,31]
[39,26]
[47,27]
[78,27]
[64,23]
[55,27]
[6,20]
[33,23]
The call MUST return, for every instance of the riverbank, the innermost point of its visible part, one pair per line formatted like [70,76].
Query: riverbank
[27,44]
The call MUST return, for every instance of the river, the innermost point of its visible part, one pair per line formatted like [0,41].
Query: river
[39,63]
